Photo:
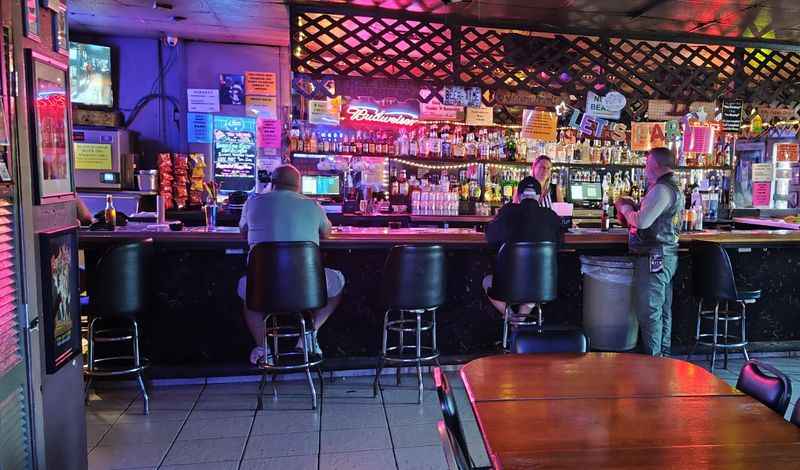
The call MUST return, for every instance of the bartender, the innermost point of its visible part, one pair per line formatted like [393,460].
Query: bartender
[653,241]
[542,171]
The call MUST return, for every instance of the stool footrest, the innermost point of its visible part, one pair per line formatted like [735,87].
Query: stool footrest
[126,361]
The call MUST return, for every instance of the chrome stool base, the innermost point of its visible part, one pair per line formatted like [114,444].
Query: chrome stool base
[403,353]
[721,340]
[127,365]
[512,320]
[290,360]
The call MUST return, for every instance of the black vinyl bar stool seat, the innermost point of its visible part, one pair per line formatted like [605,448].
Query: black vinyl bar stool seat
[286,281]
[766,384]
[550,341]
[118,294]
[525,273]
[413,287]
[713,284]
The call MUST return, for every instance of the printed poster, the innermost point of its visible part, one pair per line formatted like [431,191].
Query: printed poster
[787,152]
[698,139]
[260,83]
[231,89]
[92,156]
[269,133]
[480,116]
[203,100]
[435,111]
[540,125]
[325,111]
[264,107]
[198,127]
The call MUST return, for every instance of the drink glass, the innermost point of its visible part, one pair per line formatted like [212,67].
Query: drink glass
[210,215]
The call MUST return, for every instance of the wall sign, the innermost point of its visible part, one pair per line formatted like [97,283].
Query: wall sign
[698,139]
[461,96]
[231,88]
[269,133]
[597,127]
[435,111]
[198,127]
[325,111]
[787,152]
[404,113]
[606,107]
[647,135]
[663,110]
[203,100]
[768,113]
[732,115]
[260,83]
[264,107]
[540,125]
[235,153]
[480,116]
[378,89]
[526,98]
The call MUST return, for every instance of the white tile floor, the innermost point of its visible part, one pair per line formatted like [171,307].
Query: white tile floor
[216,427]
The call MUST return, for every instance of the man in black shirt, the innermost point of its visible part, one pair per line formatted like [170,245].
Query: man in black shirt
[526,221]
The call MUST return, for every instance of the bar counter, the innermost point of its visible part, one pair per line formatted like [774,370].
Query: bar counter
[194,316]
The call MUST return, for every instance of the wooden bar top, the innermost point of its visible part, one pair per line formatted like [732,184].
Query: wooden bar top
[496,378]
[449,236]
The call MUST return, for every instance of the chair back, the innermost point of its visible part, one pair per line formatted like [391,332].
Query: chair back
[712,273]
[795,418]
[453,456]
[526,272]
[547,341]
[285,277]
[766,384]
[450,413]
[120,282]
[414,277]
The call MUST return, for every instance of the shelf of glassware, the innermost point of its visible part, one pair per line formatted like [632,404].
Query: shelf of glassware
[451,161]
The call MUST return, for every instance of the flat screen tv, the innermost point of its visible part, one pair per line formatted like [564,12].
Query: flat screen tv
[90,75]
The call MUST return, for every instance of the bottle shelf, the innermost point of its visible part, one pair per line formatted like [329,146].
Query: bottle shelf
[452,161]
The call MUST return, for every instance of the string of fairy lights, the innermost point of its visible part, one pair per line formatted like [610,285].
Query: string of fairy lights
[458,166]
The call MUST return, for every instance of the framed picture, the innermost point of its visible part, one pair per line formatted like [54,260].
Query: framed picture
[60,30]
[58,251]
[30,19]
[49,110]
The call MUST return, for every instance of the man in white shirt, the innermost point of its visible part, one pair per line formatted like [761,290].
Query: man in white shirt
[653,241]
[285,215]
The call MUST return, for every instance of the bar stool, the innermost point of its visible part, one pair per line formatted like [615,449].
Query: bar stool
[713,282]
[525,273]
[414,284]
[118,293]
[286,281]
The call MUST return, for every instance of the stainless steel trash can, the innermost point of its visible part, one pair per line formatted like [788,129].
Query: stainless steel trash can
[608,316]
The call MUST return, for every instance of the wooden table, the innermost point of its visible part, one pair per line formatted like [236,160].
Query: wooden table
[608,410]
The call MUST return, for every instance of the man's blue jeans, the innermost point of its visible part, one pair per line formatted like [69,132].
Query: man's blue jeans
[652,294]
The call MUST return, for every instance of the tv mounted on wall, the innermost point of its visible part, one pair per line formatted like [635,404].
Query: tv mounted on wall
[90,77]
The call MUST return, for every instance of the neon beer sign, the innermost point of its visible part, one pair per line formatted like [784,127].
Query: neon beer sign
[397,114]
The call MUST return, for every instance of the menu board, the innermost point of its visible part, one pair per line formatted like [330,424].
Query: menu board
[235,153]
[732,115]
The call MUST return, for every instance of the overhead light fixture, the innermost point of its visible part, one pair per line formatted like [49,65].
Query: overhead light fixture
[161,5]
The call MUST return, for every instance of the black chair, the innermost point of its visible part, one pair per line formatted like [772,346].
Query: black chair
[118,290]
[568,341]
[286,281]
[525,273]
[455,438]
[773,390]
[713,283]
[413,287]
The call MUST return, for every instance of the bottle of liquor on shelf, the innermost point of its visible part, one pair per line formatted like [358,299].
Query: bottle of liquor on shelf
[402,144]
[413,145]
[434,144]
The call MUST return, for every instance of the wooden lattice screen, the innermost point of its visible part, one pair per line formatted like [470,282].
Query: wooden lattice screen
[437,54]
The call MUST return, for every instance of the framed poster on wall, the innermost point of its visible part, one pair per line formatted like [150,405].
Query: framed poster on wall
[49,129]
[60,30]
[60,313]
[30,19]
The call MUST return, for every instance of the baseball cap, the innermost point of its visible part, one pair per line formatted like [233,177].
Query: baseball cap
[529,188]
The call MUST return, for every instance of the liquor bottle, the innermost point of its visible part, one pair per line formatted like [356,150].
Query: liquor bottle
[403,183]
[293,139]
[446,147]
[510,146]
[413,145]
[605,221]
[313,144]
[371,144]
[110,214]
[434,144]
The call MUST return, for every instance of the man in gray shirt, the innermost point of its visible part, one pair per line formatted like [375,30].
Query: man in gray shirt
[285,215]
[653,241]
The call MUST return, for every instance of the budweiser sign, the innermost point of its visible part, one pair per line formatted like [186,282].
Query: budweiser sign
[395,114]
